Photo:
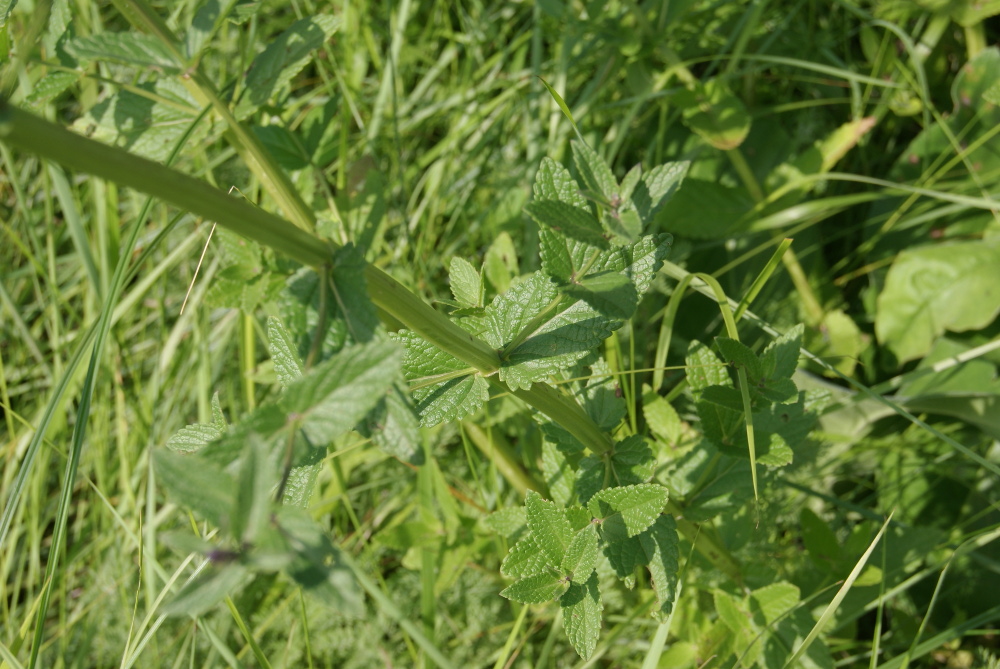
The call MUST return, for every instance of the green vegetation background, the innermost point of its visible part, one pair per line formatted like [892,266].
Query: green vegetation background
[865,131]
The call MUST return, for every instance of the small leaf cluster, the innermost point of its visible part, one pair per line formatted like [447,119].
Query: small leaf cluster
[556,555]
[595,266]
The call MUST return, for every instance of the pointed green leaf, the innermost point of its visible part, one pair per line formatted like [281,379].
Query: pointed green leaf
[500,263]
[739,354]
[659,543]
[129,48]
[633,461]
[609,293]
[781,356]
[507,521]
[644,259]
[459,392]
[466,283]
[281,347]
[623,224]
[563,258]
[194,437]
[589,478]
[582,607]
[206,590]
[657,187]
[704,368]
[624,555]
[394,426]
[550,527]
[639,505]
[526,558]
[662,419]
[776,599]
[594,171]
[536,589]
[301,308]
[581,556]
[554,182]
[332,397]
[723,396]
[286,55]
[576,223]
[193,482]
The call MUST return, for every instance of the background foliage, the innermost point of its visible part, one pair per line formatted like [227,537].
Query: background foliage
[416,131]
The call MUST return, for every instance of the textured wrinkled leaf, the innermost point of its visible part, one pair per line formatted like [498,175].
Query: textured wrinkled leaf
[281,347]
[550,527]
[594,171]
[624,225]
[739,354]
[300,309]
[206,590]
[582,607]
[536,589]
[659,543]
[554,182]
[337,393]
[197,484]
[931,289]
[609,293]
[633,461]
[287,54]
[576,223]
[581,556]
[657,187]
[704,368]
[589,477]
[466,283]
[662,418]
[624,555]
[194,437]
[458,395]
[563,258]
[644,259]
[51,86]
[130,48]
[639,505]
[526,558]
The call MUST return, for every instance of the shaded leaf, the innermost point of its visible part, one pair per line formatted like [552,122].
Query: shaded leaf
[197,484]
[549,526]
[659,543]
[206,590]
[638,505]
[582,607]
[576,223]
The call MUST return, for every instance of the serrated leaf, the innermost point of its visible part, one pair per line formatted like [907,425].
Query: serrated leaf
[461,391]
[594,171]
[624,555]
[589,478]
[554,182]
[581,556]
[300,308]
[206,590]
[576,223]
[623,224]
[563,258]
[739,354]
[51,86]
[657,187]
[644,259]
[337,393]
[549,526]
[639,505]
[633,461]
[525,558]
[781,356]
[536,589]
[281,347]
[466,283]
[197,484]
[130,48]
[287,54]
[659,543]
[582,607]
[609,293]
[194,437]
[704,368]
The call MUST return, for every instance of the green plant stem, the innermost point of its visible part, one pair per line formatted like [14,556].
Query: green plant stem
[50,141]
